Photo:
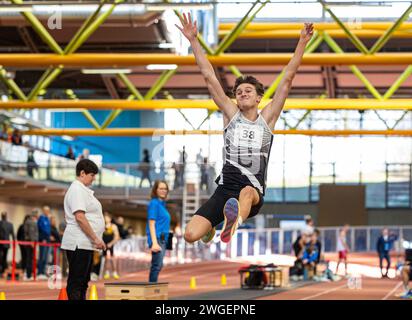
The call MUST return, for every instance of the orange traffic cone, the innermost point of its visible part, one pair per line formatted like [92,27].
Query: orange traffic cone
[63,294]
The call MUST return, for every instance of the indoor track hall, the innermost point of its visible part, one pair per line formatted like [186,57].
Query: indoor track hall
[214,150]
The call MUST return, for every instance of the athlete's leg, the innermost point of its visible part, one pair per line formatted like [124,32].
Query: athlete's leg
[238,209]
[248,197]
[346,266]
[337,266]
[197,228]
[388,265]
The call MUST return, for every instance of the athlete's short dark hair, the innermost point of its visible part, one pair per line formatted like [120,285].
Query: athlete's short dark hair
[253,81]
[86,165]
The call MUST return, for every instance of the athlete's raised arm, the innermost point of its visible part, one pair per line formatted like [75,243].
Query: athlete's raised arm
[272,110]
[189,30]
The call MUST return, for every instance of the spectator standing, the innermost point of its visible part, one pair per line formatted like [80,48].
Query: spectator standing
[62,256]
[157,228]
[119,222]
[144,167]
[383,247]
[130,232]
[54,238]
[110,237]
[20,237]
[70,154]
[343,249]
[182,166]
[7,234]
[176,168]
[204,175]
[199,158]
[31,233]
[54,231]
[44,238]
[31,163]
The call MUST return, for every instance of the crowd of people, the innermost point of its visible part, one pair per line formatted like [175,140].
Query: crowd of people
[41,226]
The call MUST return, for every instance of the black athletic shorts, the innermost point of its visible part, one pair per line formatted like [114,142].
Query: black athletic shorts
[111,252]
[212,210]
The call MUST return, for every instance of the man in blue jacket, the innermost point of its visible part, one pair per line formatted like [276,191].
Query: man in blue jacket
[384,246]
[44,237]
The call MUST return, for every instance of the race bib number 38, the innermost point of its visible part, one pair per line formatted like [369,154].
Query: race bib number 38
[248,136]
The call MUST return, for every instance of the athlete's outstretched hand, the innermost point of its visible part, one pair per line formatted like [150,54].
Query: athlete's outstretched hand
[189,28]
[307,32]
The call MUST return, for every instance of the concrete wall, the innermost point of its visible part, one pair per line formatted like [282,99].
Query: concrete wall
[390,217]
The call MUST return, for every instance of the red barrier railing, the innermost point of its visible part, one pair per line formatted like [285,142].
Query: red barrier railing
[34,244]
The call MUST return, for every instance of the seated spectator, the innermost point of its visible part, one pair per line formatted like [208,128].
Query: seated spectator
[299,247]
[311,256]
[309,260]
[70,154]
[16,138]
[299,244]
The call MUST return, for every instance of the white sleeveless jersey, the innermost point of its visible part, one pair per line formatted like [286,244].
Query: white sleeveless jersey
[247,147]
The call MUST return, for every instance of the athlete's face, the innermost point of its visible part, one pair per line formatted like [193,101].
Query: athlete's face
[247,97]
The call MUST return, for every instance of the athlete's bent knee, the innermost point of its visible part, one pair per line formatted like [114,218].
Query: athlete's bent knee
[247,192]
[189,236]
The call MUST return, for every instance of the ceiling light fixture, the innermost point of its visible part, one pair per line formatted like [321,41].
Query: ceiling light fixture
[106,71]
[161,66]
[179,6]
[13,9]
[18,120]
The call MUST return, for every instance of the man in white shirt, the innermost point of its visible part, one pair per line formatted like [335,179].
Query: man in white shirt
[84,229]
